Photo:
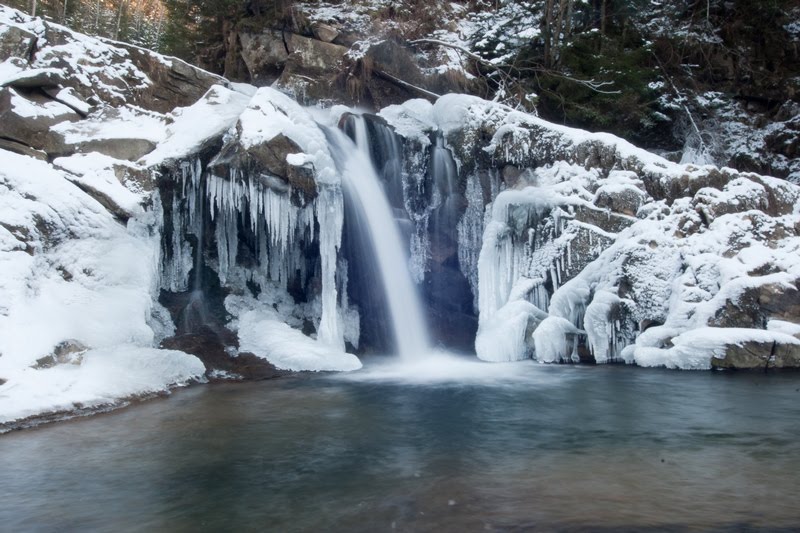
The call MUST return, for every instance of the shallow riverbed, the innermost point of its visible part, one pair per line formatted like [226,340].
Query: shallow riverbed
[439,447]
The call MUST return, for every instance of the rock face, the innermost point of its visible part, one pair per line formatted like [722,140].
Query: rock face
[334,61]
[53,75]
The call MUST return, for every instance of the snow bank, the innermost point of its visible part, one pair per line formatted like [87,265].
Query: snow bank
[70,271]
[263,334]
[105,378]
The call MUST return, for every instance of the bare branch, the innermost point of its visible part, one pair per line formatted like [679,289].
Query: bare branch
[506,70]
[419,90]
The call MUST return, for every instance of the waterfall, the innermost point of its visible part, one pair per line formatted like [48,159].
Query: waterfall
[195,315]
[373,212]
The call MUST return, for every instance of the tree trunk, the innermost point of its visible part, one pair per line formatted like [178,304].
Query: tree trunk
[557,34]
[159,27]
[603,15]
[119,19]
[548,32]
[33,8]
[568,24]
[97,17]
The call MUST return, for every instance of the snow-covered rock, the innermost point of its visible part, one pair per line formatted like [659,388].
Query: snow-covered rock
[627,250]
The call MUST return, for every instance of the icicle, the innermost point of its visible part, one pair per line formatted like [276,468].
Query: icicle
[330,213]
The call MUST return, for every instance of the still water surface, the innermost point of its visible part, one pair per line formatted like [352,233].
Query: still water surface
[517,447]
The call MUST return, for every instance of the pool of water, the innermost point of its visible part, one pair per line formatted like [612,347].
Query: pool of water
[474,448]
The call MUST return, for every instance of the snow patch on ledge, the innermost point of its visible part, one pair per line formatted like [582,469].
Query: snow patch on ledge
[215,113]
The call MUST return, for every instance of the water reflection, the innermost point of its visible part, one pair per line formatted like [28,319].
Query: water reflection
[538,447]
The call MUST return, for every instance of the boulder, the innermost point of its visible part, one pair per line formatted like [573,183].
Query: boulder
[264,54]
[312,70]
[68,352]
[755,306]
[16,42]
[214,350]
[624,200]
[124,149]
[324,32]
[20,148]
[268,161]
[758,355]
[70,98]
[173,83]
[28,120]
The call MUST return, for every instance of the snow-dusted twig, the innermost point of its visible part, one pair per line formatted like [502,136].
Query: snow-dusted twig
[406,85]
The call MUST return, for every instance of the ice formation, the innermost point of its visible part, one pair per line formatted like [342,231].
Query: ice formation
[626,253]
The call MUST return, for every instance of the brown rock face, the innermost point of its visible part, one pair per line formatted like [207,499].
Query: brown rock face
[755,306]
[174,83]
[264,54]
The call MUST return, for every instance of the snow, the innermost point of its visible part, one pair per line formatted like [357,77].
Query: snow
[124,122]
[105,378]
[97,171]
[10,69]
[503,336]
[216,112]
[694,349]
[71,271]
[28,108]
[262,333]
[411,120]
[550,340]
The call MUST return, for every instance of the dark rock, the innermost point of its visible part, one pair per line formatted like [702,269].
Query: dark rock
[324,32]
[603,219]
[16,42]
[755,306]
[124,149]
[626,201]
[66,352]
[174,84]
[33,131]
[264,54]
[20,148]
[312,70]
[267,160]
[217,351]
[758,355]
[36,78]
[664,186]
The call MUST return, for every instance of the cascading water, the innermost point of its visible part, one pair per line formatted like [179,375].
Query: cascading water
[372,211]
[194,316]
